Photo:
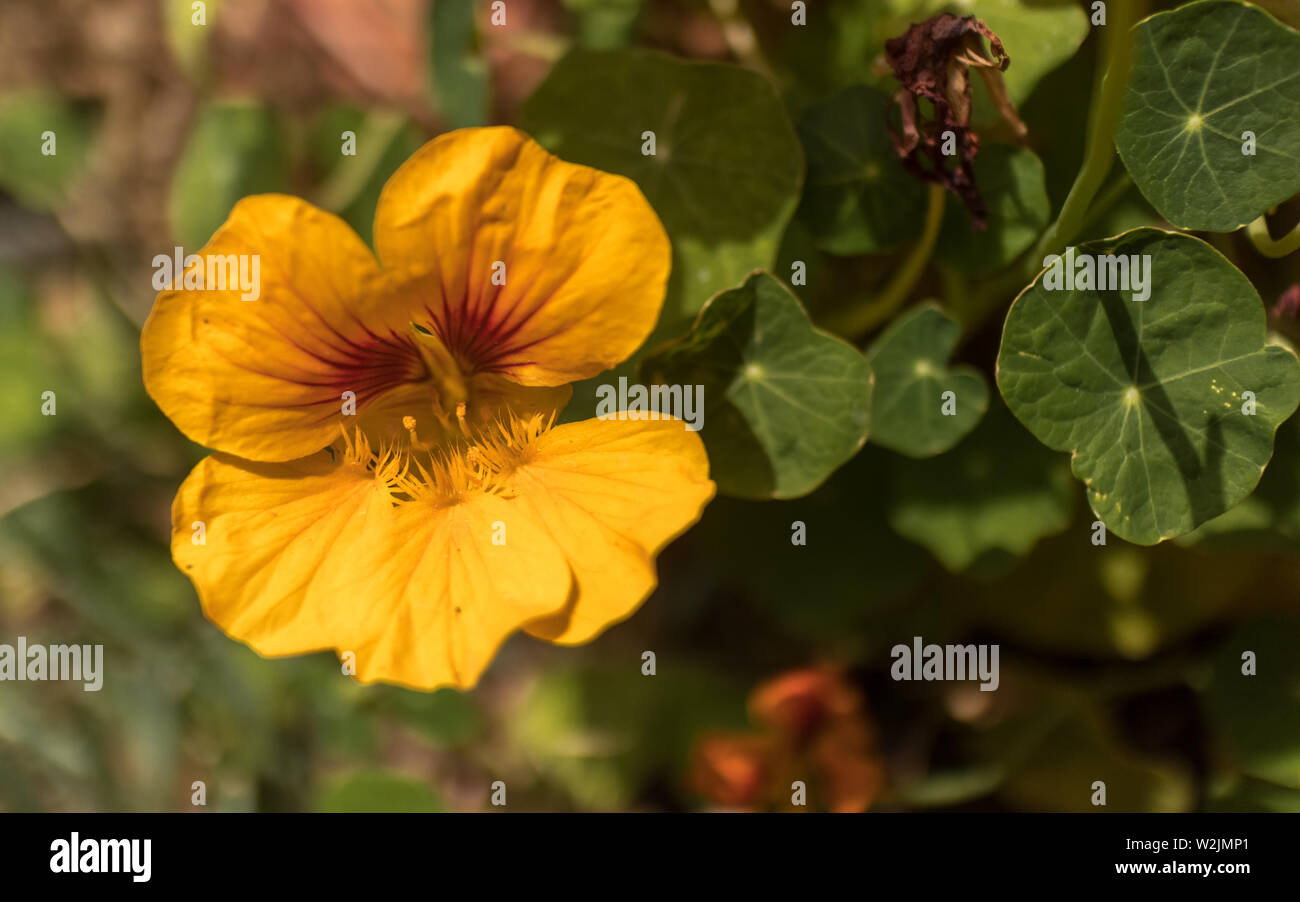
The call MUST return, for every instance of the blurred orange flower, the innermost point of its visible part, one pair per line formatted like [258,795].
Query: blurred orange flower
[816,730]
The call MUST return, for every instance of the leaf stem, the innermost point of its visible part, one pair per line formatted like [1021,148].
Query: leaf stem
[1264,242]
[1108,90]
[1110,196]
[858,321]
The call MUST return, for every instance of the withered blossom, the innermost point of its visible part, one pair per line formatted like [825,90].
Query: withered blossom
[933,60]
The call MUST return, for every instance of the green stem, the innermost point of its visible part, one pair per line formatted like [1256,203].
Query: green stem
[1108,198]
[956,290]
[1108,93]
[858,321]
[1109,87]
[1259,236]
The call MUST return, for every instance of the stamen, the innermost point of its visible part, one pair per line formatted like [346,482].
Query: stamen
[388,466]
[356,447]
[408,423]
[484,465]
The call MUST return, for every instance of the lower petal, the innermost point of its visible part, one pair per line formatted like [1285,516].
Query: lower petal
[315,554]
[450,585]
[262,543]
[612,493]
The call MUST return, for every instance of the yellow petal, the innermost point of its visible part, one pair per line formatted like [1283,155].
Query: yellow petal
[270,534]
[445,595]
[312,554]
[612,493]
[265,378]
[584,258]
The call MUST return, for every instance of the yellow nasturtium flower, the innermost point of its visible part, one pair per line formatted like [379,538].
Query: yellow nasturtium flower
[388,478]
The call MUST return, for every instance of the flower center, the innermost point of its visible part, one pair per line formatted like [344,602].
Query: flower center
[481,460]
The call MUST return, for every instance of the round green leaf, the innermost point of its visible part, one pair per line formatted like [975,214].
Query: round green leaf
[726,171]
[910,363]
[987,501]
[1011,180]
[1203,75]
[858,198]
[1148,396]
[1258,716]
[785,404]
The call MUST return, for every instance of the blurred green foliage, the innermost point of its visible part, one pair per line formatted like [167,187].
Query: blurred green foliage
[59,133]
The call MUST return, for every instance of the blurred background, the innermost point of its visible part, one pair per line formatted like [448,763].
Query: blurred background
[772,659]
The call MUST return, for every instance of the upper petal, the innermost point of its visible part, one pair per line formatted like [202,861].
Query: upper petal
[265,378]
[612,493]
[583,256]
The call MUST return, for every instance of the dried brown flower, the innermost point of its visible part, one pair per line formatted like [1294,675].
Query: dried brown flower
[933,60]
